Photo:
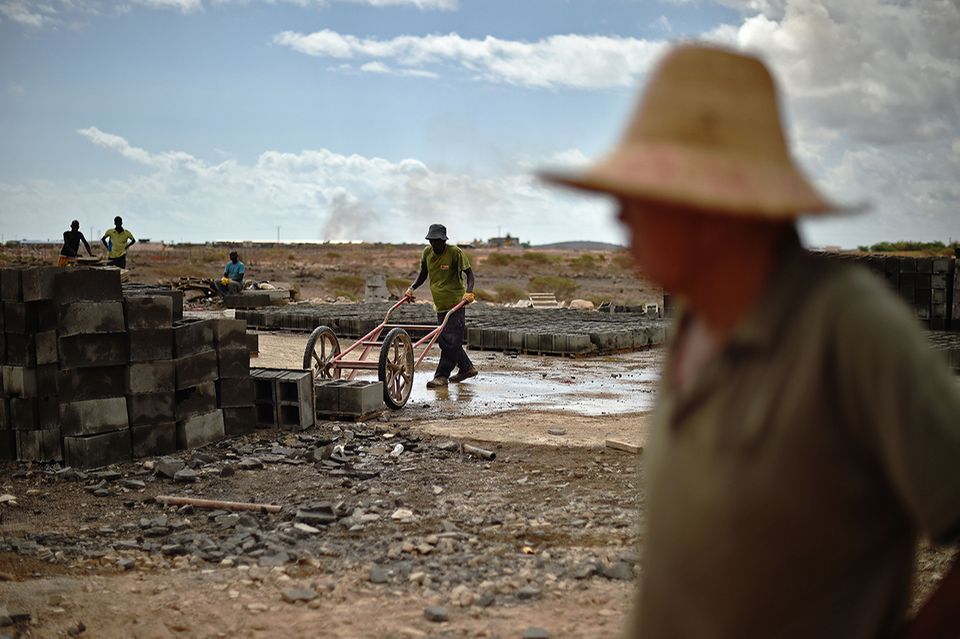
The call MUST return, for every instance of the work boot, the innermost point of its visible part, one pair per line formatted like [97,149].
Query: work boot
[462,375]
[437,382]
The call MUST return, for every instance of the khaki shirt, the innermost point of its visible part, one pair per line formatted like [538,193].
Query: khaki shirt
[787,486]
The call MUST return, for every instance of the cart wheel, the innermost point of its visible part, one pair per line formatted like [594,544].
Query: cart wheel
[322,347]
[396,368]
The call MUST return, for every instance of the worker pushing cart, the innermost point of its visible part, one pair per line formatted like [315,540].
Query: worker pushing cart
[444,265]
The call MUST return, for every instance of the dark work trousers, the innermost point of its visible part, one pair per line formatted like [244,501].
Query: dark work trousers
[452,354]
[118,261]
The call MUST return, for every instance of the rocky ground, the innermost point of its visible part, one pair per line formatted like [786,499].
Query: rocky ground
[386,528]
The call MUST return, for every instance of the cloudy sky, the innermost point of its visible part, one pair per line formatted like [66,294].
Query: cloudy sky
[369,119]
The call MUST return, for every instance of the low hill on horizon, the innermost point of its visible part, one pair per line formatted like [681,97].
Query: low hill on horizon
[580,245]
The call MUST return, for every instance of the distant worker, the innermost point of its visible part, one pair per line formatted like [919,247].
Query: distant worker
[232,280]
[444,265]
[71,244]
[805,435]
[120,240]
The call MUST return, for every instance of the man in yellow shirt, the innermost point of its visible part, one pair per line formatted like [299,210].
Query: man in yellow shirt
[120,240]
[446,265]
[805,435]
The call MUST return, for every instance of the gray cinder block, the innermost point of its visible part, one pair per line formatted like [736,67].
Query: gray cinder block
[240,420]
[150,344]
[151,377]
[327,394]
[233,362]
[19,381]
[97,450]
[93,416]
[74,384]
[10,285]
[153,439]
[91,284]
[192,336]
[21,349]
[8,445]
[22,318]
[195,369]
[235,392]
[33,413]
[83,351]
[148,312]
[151,408]
[37,283]
[230,333]
[200,430]
[90,318]
[46,346]
[195,400]
[361,398]
[39,445]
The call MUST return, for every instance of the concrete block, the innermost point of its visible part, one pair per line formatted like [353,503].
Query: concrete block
[83,351]
[21,349]
[91,284]
[196,369]
[47,380]
[37,283]
[98,450]
[233,362]
[4,414]
[39,445]
[21,318]
[90,318]
[240,420]
[327,393]
[195,400]
[247,299]
[3,346]
[148,312]
[267,415]
[93,416]
[253,343]
[46,347]
[33,413]
[153,439]
[515,340]
[579,344]
[531,342]
[8,445]
[191,336]
[150,344]
[10,285]
[230,333]
[76,384]
[151,408]
[19,381]
[361,397]
[151,377]
[235,392]
[48,316]
[200,430]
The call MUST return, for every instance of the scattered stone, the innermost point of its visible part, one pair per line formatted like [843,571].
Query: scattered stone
[306,529]
[317,514]
[269,561]
[379,575]
[8,500]
[436,614]
[132,484]
[77,629]
[618,571]
[228,471]
[293,595]
[585,570]
[250,463]
[528,592]
[486,599]
[186,476]
[402,514]
[126,563]
[558,432]
[533,632]
[448,445]
[168,467]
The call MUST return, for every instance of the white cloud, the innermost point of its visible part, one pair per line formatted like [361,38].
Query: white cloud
[186,6]
[28,12]
[560,61]
[313,194]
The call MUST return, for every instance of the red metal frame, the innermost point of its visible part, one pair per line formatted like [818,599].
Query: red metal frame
[369,340]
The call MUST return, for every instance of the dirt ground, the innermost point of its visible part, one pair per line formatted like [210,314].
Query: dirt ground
[545,535]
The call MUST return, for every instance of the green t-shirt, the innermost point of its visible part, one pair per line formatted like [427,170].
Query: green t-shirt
[446,283]
[118,242]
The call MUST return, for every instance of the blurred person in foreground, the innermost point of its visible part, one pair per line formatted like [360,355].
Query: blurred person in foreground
[71,245]
[231,282]
[446,266]
[805,435]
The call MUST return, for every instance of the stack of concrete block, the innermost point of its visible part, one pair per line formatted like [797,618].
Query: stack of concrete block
[199,421]
[234,386]
[151,375]
[349,399]
[283,398]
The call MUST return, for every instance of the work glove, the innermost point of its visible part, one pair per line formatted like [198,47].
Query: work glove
[224,281]
[469,297]
[408,293]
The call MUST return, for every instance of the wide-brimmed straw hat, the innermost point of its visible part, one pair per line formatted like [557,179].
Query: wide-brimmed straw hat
[706,135]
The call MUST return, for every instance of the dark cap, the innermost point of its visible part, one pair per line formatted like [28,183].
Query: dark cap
[437,232]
